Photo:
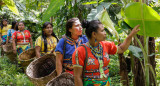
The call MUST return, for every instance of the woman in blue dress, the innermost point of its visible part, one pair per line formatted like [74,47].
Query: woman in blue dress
[67,45]
[10,32]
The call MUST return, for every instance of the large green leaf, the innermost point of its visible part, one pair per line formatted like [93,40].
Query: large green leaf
[51,10]
[94,12]
[148,19]
[11,5]
[137,52]
[107,22]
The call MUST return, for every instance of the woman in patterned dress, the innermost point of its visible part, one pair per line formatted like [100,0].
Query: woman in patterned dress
[46,43]
[22,39]
[67,45]
[3,30]
[3,33]
[11,31]
[91,65]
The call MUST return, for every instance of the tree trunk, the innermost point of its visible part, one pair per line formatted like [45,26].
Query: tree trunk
[123,70]
[138,78]
[151,47]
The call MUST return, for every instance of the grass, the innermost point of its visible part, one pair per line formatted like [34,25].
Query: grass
[10,75]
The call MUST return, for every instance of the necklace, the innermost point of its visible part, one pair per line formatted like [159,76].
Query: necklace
[97,51]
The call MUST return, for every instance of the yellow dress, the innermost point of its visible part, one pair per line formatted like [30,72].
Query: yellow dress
[51,44]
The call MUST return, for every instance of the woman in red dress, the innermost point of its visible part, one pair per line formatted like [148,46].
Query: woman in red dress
[91,65]
[21,39]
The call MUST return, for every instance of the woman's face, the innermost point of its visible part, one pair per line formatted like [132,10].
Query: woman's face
[100,35]
[5,23]
[76,28]
[21,26]
[48,30]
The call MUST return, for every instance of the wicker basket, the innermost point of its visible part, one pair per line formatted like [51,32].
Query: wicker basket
[42,70]
[12,57]
[26,57]
[7,47]
[65,79]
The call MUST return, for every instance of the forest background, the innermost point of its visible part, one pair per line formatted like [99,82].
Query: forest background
[138,66]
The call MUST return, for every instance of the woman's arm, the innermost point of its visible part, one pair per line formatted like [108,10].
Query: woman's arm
[78,76]
[7,39]
[37,49]
[31,43]
[1,38]
[59,58]
[14,46]
[124,46]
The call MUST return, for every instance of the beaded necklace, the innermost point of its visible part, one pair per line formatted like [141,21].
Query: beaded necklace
[73,41]
[98,53]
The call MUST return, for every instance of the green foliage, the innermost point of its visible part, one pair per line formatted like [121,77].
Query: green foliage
[11,6]
[53,7]
[148,19]
[114,69]
[137,52]
[10,75]
[158,69]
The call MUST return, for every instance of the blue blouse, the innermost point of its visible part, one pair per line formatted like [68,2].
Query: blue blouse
[70,47]
[10,32]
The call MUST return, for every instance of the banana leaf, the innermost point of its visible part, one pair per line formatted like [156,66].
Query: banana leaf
[11,5]
[107,22]
[51,10]
[139,13]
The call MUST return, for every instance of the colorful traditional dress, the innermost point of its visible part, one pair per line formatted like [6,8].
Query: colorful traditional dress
[22,37]
[97,64]
[4,32]
[70,47]
[51,44]
[10,33]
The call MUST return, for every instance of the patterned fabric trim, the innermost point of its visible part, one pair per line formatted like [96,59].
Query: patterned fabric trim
[96,70]
[94,82]
[77,66]
[71,41]
[95,76]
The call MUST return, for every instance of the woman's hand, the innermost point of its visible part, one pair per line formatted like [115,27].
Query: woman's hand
[135,30]
[124,46]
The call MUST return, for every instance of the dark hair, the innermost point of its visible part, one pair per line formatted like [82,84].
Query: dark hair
[91,26]
[2,23]
[18,24]
[69,25]
[44,36]
[13,24]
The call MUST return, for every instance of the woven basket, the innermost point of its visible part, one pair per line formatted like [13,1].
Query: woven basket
[26,57]
[7,47]
[42,70]
[12,57]
[65,79]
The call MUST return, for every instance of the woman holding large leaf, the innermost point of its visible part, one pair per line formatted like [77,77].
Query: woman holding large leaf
[21,39]
[90,60]
[46,43]
[67,45]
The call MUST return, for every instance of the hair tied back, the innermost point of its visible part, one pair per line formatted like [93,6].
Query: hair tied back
[85,24]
